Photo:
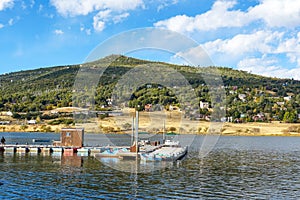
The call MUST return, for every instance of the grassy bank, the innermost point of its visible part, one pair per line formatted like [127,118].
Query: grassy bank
[152,122]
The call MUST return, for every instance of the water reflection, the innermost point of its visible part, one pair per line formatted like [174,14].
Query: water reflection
[134,166]
[74,161]
[234,170]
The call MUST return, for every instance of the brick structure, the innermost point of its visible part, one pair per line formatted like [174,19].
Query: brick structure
[72,137]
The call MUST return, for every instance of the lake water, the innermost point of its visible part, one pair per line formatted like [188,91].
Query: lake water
[237,168]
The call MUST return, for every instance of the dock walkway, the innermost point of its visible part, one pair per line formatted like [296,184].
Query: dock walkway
[48,149]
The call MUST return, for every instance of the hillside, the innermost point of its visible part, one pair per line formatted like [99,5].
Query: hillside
[249,97]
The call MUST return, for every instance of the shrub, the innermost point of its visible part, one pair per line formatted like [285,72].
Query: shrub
[108,129]
[172,129]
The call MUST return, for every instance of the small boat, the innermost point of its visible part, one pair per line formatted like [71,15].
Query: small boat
[40,140]
[169,151]
[112,152]
[145,150]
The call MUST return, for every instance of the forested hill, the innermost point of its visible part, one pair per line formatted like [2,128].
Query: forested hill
[48,88]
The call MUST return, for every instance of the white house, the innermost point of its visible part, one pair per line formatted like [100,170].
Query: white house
[9,113]
[109,101]
[280,103]
[204,104]
[32,121]
[288,98]
[242,97]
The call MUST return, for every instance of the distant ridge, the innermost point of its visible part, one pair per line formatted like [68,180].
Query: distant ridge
[48,88]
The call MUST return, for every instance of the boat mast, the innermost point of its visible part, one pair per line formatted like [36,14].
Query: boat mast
[164,127]
[132,133]
[136,131]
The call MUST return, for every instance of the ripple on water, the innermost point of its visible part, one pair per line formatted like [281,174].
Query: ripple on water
[228,173]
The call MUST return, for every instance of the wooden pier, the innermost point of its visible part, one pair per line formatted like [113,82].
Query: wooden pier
[51,149]
[32,149]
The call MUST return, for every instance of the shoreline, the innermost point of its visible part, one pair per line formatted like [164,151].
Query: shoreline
[227,129]
[153,122]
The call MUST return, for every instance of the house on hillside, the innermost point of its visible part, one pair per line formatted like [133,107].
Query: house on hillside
[149,86]
[204,105]
[8,113]
[242,97]
[109,102]
[148,107]
[230,119]
[287,98]
[4,122]
[31,122]
[54,112]
[171,108]
[280,103]
[259,117]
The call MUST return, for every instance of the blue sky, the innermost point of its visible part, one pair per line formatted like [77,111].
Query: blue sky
[259,36]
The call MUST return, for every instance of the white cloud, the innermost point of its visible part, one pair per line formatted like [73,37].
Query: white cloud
[108,10]
[102,17]
[275,13]
[196,56]
[58,32]
[120,18]
[165,3]
[84,7]
[32,3]
[253,49]
[254,52]
[83,29]
[1,26]
[6,4]
[41,7]
[11,21]
[179,23]
[258,65]
[218,17]
[88,31]
[275,22]
[291,47]
[268,67]
[73,8]
[99,25]
[260,41]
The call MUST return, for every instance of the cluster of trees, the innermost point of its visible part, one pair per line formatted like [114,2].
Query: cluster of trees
[37,90]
